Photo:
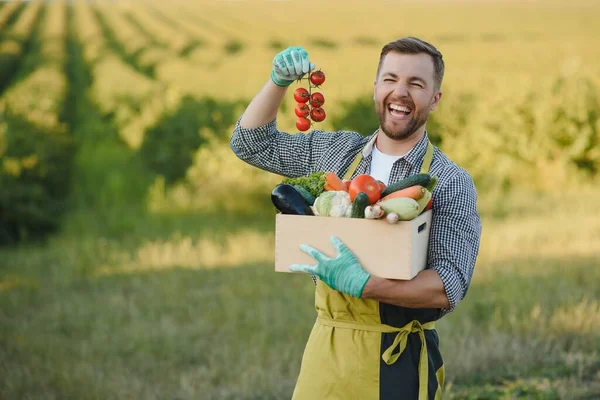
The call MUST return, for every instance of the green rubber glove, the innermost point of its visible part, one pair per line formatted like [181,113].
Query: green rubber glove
[290,65]
[343,273]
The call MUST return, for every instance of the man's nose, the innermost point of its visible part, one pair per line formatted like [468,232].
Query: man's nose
[401,90]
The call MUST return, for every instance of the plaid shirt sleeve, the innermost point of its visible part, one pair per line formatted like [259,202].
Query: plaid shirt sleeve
[267,148]
[455,235]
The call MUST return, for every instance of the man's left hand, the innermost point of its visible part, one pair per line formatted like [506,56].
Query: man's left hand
[343,273]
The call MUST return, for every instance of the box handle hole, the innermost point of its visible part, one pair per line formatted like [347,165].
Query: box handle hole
[421,227]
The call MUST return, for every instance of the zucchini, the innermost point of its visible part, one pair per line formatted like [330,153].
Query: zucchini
[405,207]
[417,179]
[361,201]
[288,201]
[310,199]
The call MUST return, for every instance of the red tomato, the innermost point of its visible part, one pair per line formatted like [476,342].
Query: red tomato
[317,99]
[302,124]
[382,185]
[347,184]
[317,114]
[317,78]
[302,110]
[429,204]
[301,95]
[367,184]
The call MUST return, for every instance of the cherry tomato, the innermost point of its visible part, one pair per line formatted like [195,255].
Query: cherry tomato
[367,184]
[317,114]
[317,78]
[302,124]
[301,95]
[302,110]
[317,99]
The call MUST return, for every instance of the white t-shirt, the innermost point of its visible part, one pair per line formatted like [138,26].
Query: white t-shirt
[381,165]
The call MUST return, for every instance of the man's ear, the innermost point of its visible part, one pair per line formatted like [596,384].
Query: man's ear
[435,101]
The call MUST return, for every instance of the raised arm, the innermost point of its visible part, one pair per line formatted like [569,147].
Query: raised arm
[263,108]
[256,139]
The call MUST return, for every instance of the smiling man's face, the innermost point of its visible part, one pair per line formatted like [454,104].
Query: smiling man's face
[405,93]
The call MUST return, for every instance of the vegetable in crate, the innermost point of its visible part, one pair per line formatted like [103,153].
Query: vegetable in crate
[318,182]
[392,218]
[405,207]
[333,204]
[360,203]
[333,182]
[366,184]
[417,179]
[431,186]
[310,199]
[287,200]
[423,201]
[313,183]
[429,205]
[414,192]
[374,212]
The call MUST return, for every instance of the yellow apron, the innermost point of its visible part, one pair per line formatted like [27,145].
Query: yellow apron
[364,349]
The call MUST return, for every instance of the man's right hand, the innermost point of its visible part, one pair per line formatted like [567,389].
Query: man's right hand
[290,65]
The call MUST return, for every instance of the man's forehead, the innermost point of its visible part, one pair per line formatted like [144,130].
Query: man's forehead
[420,65]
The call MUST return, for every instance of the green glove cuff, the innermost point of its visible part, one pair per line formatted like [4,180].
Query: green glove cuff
[280,82]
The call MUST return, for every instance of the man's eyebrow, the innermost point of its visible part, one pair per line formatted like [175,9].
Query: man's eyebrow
[390,74]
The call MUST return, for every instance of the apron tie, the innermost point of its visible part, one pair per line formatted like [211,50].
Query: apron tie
[401,340]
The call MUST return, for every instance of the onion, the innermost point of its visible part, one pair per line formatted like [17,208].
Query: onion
[374,212]
[392,218]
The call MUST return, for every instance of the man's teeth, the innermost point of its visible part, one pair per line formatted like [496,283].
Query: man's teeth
[400,108]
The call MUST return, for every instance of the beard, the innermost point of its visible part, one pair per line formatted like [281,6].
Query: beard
[400,130]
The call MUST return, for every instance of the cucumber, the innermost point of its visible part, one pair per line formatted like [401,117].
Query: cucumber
[361,201]
[310,199]
[287,200]
[417,179]
[434,181]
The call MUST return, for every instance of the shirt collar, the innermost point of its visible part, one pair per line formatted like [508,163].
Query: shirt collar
[368,149]
[414,156]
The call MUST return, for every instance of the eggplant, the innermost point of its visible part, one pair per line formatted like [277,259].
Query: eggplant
[288,201]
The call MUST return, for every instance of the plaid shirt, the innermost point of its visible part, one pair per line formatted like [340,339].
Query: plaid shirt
[456,225]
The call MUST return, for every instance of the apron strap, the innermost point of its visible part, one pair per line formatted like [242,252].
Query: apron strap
[424,168]
[401,340]
[353,166]
[427,159]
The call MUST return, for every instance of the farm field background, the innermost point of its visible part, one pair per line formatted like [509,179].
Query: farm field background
[136,256]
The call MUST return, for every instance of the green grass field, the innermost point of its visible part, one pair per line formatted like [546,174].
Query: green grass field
[158,290]
[179,310]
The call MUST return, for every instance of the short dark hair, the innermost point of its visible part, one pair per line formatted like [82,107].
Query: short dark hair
[413,45]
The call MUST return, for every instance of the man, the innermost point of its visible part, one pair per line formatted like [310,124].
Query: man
[374,338]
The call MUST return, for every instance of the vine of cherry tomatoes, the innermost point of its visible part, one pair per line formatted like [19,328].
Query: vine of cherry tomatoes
[309,103]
